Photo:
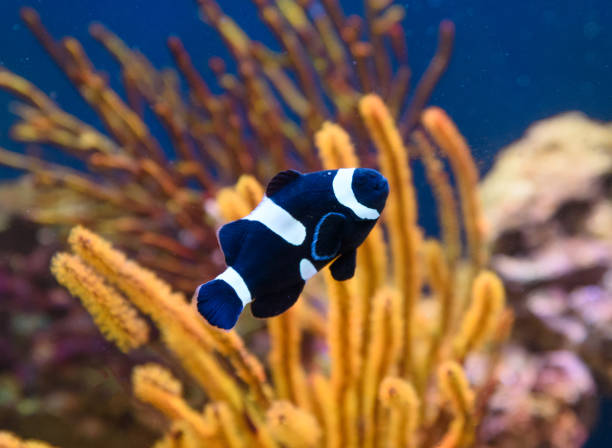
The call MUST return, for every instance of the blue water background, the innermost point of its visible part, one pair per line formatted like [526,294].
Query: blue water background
[514,62]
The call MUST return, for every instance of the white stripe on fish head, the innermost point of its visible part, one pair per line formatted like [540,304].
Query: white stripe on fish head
[343,190]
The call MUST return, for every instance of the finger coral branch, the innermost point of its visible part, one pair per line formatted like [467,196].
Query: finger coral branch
[292,426]
[441,282]
[400,211]
[325,409]
[403,403]
[202,365]
[454,385]
[233,432]
[383,351]
[114,316]
[443,191]
[155,385]
[343,340]
[482,316]
[447,137]
[435,70]
[455,388]
[121,121]
[285,357]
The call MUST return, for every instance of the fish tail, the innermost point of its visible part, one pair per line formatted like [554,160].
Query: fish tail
[219,303]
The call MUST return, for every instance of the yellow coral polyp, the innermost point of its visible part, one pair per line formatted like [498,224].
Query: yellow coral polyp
[455,388]
[397,392]
[155,385]
[403,403]
[483,314]
[155,376]
[115,317]
[292,426]
[120,271]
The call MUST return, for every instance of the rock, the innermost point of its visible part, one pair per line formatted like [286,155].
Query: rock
[544,399]
[548,202]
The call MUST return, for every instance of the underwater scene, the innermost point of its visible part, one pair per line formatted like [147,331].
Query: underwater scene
[305,223]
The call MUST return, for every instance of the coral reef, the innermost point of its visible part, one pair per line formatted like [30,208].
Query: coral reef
[410,352]
[555,388]
[368,378]
[547,201]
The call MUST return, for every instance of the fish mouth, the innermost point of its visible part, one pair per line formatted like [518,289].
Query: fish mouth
[374,188]
[381,185]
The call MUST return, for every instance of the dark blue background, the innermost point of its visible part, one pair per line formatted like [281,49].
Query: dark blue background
[514,62]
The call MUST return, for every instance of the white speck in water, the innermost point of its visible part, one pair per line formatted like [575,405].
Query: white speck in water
[591,30]
[523,81]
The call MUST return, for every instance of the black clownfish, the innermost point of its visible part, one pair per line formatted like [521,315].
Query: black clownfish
[303,223]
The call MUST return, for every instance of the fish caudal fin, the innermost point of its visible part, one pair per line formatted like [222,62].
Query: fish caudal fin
[219,303]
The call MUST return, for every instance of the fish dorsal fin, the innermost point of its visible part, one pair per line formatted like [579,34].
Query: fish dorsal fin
[282,179]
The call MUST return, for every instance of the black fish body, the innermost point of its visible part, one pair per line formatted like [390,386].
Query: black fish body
[303,223]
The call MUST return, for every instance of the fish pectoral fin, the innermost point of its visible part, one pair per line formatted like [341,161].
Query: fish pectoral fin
[343,267]
[282,179]
[231,237]
[328,236]
[276,303]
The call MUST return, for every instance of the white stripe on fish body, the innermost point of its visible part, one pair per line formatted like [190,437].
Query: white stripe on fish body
[234,279]
[307,269]
[343,190]
[279,221]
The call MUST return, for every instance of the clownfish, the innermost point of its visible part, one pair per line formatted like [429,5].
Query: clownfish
[304,222]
